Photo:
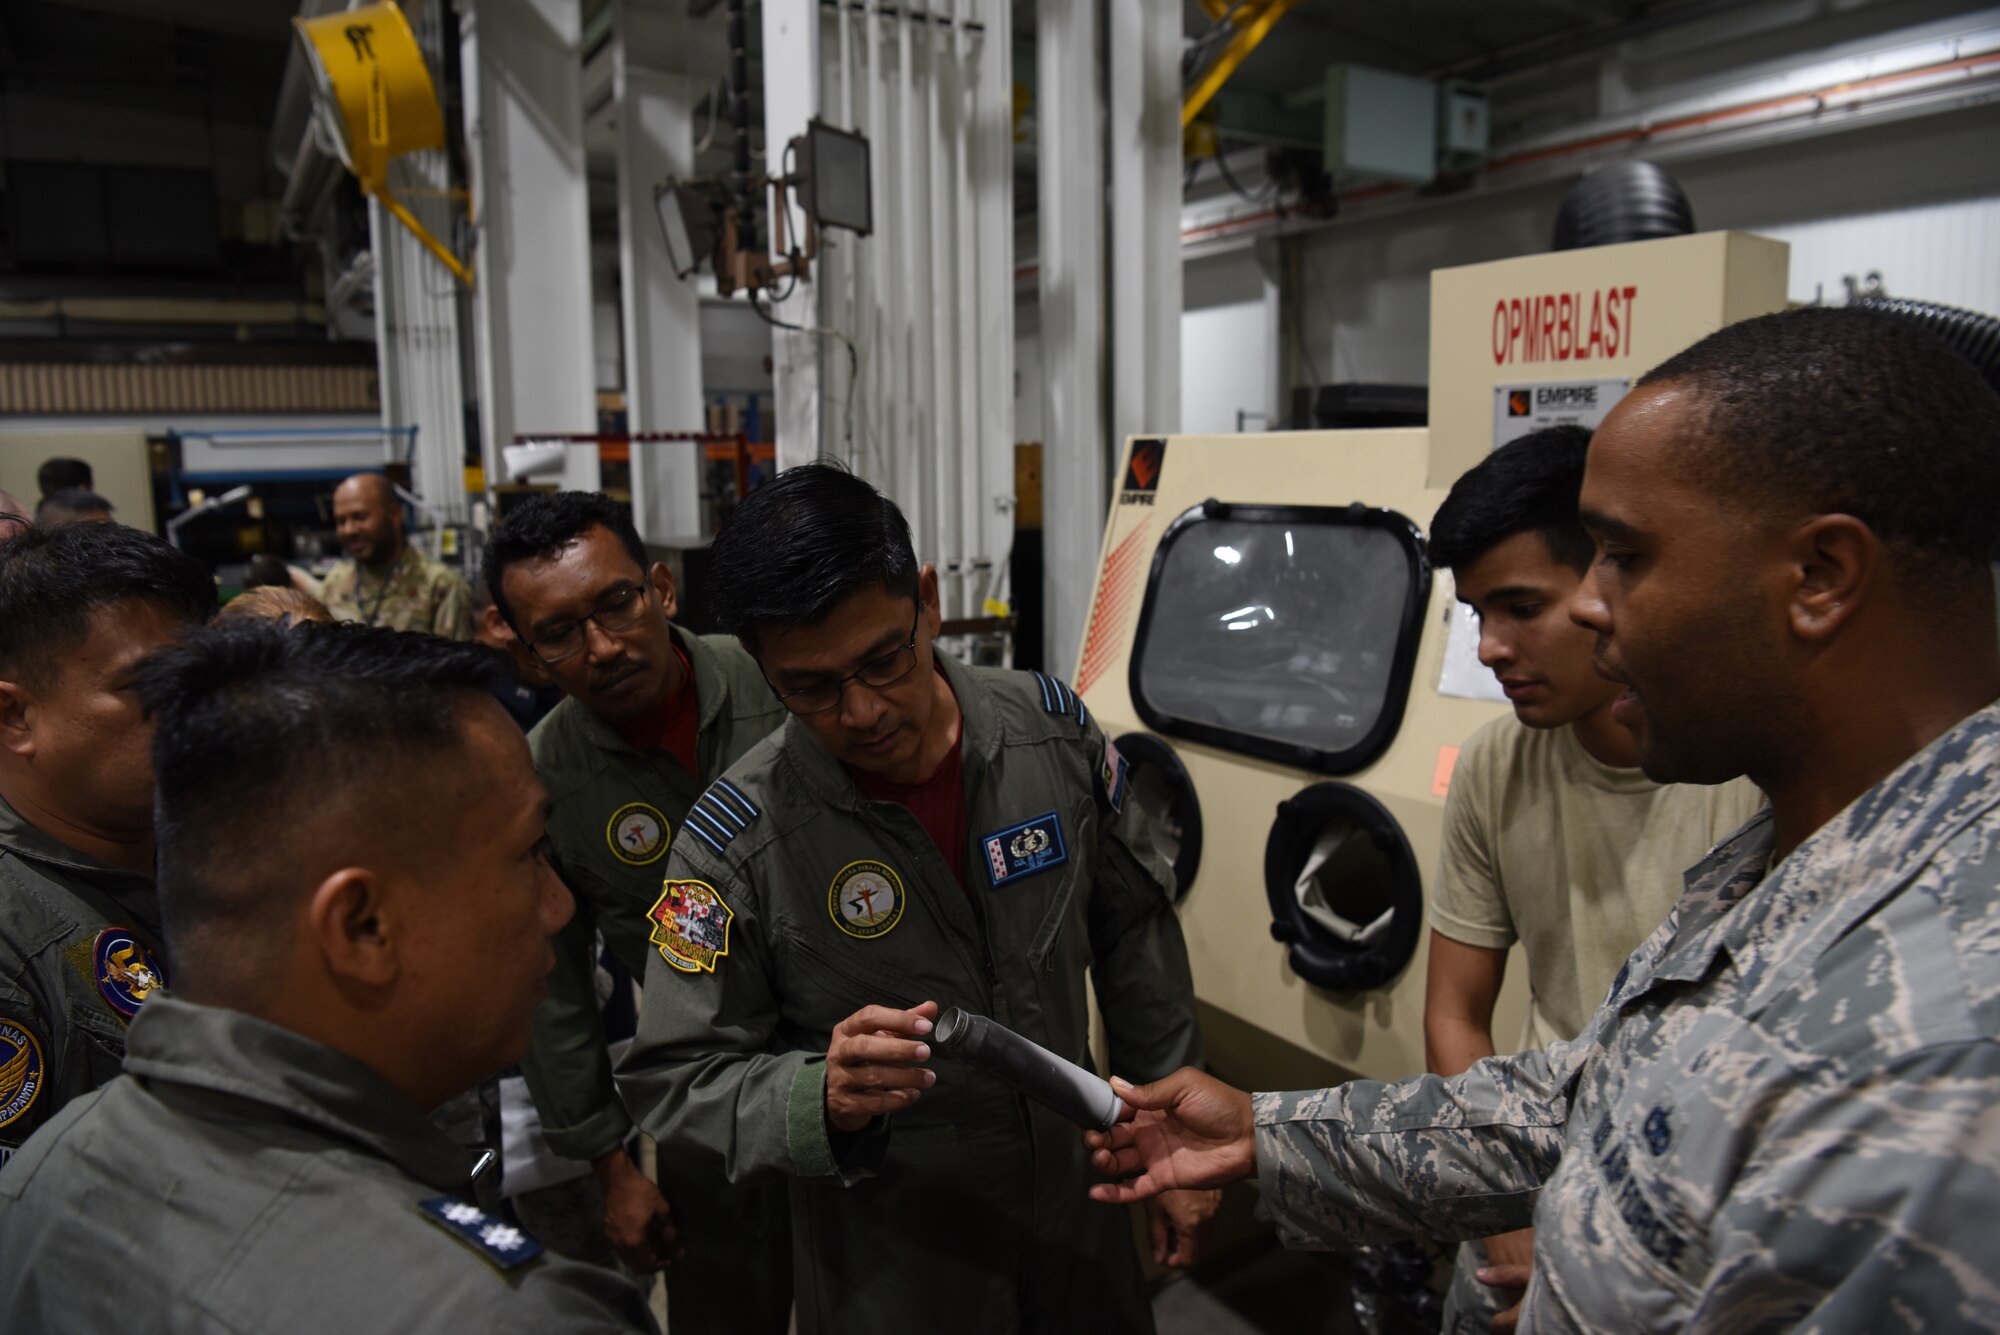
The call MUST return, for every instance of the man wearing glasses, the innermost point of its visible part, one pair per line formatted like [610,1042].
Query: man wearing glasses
[652,716]
[918,834]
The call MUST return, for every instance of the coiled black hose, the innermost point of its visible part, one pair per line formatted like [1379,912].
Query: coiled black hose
[1971,335]
[1629,201]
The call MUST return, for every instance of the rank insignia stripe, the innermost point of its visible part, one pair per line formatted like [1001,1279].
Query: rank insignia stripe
[691,926]
[720,814]
[1059,699]
[127,973]
[866,899]
[22,1071]
[499,1242]
[1025,849]
[639,834]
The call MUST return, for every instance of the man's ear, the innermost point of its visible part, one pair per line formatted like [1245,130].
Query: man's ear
[1836,561]
[16,733]
[930,614]
[352,921]
[663,584]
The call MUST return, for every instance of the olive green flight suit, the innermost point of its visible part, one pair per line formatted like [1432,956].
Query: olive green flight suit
[796,902]
[243,1178]
[617,810]
[79,953]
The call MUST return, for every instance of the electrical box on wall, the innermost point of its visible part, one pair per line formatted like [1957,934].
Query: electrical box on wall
[1380,125]
[1463,124]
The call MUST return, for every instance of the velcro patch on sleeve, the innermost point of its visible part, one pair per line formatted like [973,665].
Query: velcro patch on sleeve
[691,926]
[719,815]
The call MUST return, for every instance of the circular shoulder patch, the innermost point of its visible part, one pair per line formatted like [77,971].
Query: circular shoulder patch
[866,899]
[638,834]
[21,1071]
[127,972]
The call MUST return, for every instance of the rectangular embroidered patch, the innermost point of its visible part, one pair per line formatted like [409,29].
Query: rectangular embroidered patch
[1112,775]
[1024,849]
[499,1242]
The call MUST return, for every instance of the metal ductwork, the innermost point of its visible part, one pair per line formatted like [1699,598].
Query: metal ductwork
[1630,201]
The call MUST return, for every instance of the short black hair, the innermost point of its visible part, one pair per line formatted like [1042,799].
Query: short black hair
[1529,485]
[70,502]
[541,526]
[1823,410]
[802,542]
[53,580]
[61,474]
[256,724]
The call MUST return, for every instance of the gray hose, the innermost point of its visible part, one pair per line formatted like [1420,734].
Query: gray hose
[1079,1095]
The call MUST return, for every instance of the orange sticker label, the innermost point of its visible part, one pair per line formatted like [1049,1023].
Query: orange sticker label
[1441,776]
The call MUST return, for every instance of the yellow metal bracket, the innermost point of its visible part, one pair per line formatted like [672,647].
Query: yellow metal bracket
[374,93]
[1254,21]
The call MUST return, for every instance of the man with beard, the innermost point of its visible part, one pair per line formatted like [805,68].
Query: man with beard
[1782,1114]
[385,581]
[653,715]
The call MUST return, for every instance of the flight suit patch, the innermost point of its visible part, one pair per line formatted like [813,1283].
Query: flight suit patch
[495,1239]
[1024,849]
[1112,775]
[638,834]
[22,1071]
[691,926]
[126,971]
[866,899]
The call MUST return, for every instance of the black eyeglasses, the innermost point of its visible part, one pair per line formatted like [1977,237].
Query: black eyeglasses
[887,670]
[618,610]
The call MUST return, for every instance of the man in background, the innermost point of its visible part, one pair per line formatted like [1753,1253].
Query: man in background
[653,715]
[81,946]
[352,874]
[385,581]
[1553,836]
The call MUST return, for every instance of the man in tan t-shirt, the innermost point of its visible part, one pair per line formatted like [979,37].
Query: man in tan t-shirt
[1553,837]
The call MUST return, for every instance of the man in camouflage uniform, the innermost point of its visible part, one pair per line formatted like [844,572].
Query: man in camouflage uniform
[80,940]
[653,714]
[385,581]
[347,957]
[1781,1116]
[917,834]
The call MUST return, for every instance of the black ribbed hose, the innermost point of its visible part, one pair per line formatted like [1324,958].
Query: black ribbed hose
[1971,335]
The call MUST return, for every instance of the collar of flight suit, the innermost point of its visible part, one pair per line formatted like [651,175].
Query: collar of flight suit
[1775,924]
[711,693]
[980,734]
[131,894]
[290,1076]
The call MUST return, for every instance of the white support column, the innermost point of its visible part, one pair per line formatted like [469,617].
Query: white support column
[524,132]
[791,98]
[1076,453]
[1143,41]
[655,99]
[416,318]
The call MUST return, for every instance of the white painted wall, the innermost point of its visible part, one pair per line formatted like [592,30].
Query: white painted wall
[1230,355]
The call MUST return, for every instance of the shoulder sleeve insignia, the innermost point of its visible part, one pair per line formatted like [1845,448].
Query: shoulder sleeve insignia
[1058,698]
[22,1071]
[720,814]
[1111,774]
[1024,849]
[127,972]
[498,1241]
[638,834]
[691,926]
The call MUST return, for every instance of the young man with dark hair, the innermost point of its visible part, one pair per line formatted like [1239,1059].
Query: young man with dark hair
[1782,1114]
[80,938]
[352,875]
[653,715]
[385,581]
[1552,835]
[918,833]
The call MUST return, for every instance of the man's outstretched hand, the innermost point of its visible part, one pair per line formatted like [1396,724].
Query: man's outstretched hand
[1186,1132]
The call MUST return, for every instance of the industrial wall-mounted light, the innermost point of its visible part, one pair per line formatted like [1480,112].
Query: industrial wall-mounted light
[833,178]
[373,95]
